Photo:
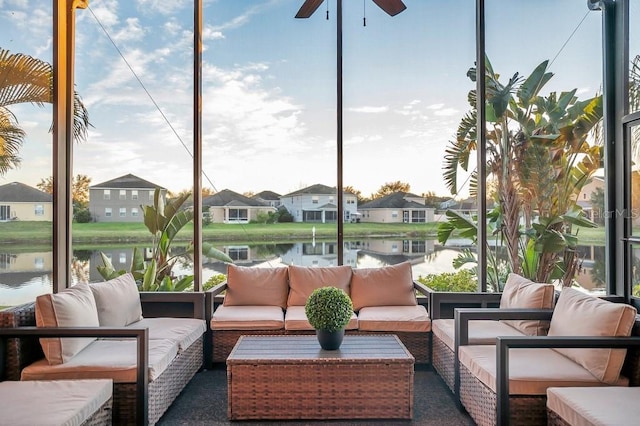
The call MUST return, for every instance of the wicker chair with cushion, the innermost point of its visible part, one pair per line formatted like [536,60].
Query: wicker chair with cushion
[520,295]
[498,386]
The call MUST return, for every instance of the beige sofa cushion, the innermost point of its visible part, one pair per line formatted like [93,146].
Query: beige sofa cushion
[394,318]
[531,371]
[72,307]
[521,293]
[52,402]
[106,359]
[296,319]
[385,286]
[580,314]
[118,301]
[183,331]
[303,280]
[247,318]
[257,286]
[481,332]
[611,405]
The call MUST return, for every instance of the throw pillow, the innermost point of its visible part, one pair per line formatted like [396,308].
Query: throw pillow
[522,293]
[303,280]
[581,314]
[256,286]
[73,307]
[385,286]
[117,301]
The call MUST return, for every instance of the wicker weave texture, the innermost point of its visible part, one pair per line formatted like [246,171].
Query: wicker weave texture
[162,391]
[289,377]
[480,403]
[553,419]
[102,416]
[443,361]
[23,351]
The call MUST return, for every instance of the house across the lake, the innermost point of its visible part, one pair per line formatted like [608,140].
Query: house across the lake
[23,202]
[227,206]
[318,203]
[120,199]
[398,207]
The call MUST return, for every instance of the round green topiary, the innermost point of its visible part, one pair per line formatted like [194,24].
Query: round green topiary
[328,308]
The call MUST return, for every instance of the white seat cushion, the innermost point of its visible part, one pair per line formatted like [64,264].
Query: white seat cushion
[183,331]
[394,318]
[247,318]
[612,405]
[52,402]
[480,332]
[531,371]
[106,359]
[296,319]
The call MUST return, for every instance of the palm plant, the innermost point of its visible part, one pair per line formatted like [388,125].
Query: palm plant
[164,222]
[539,156]
[24,79]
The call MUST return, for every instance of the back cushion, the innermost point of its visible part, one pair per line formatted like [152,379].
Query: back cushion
[522,293]
[73,307]
[256,286]
[580,314]
[386,286]
[303,280]
[118,301]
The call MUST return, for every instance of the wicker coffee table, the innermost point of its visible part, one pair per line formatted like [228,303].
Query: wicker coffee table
[291,377]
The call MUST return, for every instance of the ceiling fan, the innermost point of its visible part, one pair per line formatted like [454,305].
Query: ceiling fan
[392,7]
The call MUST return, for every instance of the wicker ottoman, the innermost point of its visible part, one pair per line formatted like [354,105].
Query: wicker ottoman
[290,377]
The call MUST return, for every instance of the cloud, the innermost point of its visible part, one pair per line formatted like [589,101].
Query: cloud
[446,112]
[163,7]
[369,109]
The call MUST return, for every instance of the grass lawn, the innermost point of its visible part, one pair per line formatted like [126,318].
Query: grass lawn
[41,232]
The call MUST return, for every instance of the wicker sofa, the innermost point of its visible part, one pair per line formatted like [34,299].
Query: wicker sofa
[104,319]
[271,301]
[499,386]
[521,298]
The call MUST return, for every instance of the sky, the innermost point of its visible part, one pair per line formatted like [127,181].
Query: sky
[269,86]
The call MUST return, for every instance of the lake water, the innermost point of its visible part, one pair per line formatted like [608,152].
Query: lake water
[23,276]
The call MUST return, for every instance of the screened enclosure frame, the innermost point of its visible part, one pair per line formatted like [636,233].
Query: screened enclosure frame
[615,33]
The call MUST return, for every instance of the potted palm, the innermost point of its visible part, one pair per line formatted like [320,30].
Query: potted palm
[329,310]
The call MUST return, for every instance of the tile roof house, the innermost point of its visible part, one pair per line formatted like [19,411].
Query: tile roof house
[228,206]
[120,199]
[23,202]
[269,197]
[398,207]
[318,203]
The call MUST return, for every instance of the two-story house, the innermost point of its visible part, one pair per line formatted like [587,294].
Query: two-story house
[227,206]
[399,207]
[23,202]
[120,199]
[318,203]
[268,197]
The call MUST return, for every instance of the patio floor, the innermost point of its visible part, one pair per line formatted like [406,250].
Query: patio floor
[204,402]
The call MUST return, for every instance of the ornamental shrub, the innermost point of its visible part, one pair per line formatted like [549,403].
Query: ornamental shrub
[328,308]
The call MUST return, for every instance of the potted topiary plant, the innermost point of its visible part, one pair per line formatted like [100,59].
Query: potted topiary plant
[329,310]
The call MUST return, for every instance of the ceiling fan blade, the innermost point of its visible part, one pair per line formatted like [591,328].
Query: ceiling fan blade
[308,7]
[392,7]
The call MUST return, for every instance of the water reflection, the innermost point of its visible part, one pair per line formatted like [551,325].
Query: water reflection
[23,276]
